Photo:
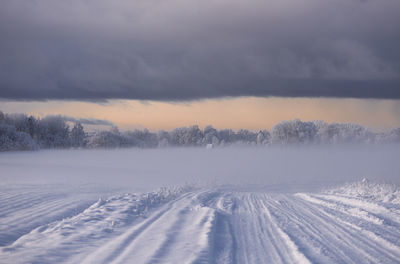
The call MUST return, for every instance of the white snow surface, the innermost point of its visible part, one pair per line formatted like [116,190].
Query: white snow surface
[233,206]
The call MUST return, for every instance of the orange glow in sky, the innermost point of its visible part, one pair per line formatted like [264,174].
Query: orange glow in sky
[246,112]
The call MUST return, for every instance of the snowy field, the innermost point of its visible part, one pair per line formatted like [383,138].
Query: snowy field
[224,205]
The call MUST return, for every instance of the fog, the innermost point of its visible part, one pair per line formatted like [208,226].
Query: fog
[136,170]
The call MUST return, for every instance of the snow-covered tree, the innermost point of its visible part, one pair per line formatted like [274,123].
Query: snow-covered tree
[144,138]
[193,136]
[393,136]
[54,132]
[11,139]
[163,139]
[112,139]
[19,131]
[226,136]
[186,136]
[104,139]
[78,136]
[263,137]
[210,135]
[294,132]
[245,137]
[2,117]
[336,133]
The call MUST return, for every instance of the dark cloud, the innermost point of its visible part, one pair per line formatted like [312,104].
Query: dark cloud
[85,121]
[187,50]
[88,121]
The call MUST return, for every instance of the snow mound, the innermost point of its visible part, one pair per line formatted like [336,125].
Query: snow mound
[367,190]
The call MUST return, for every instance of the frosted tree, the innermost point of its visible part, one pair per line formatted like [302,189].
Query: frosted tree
[193,136]
[104,139]
[294,132]
[33,127]
[2,117]
[112,139]
[78,136]
[11,139]
[263,137]
[22,132]
[244,136]
[7,137]
[215,141]
[186,136]
[336,133]
[226,136]
[144,138]
[210,135]
[54,132]
[393,136]
[163,139]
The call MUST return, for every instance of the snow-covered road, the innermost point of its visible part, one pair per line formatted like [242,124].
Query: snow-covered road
[356,224]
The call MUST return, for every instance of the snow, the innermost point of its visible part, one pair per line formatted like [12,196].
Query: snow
[235,205]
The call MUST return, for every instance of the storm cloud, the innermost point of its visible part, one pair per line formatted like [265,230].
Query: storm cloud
[87,121]
[187,50]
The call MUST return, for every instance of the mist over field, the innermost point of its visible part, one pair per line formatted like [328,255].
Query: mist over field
[119,205]
[303,192]
[146,169]
[106,196]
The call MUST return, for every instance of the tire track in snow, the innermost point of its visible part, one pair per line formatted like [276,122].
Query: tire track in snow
[294,252]
[70,239]
[115,250]
[391,215]
[183,229]
[190,235]
[260,240]
[183,223]
[225,226]
[370,229]
[346,244]
[24,212]
[222,241]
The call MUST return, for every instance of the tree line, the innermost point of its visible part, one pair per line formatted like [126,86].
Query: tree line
[23,132]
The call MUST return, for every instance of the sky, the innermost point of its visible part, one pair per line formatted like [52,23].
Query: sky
[167,63]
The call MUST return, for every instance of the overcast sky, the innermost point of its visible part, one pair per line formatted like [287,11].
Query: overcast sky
[174,50]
